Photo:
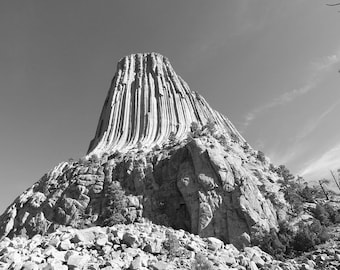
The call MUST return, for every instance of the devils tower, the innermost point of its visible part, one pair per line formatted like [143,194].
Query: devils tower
[147,102]
[159,153]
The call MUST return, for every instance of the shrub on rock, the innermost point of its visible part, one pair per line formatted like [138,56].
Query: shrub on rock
[115,205]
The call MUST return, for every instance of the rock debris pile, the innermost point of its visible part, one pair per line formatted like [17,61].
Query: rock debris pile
[135,247]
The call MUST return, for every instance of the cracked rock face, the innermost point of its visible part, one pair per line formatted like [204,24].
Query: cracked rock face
[153,164]
[147,102]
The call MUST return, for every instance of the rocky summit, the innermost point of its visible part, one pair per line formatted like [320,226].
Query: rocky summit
[160,154]
[147,102]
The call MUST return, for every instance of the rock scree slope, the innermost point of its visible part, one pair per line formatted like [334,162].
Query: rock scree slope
[167,156]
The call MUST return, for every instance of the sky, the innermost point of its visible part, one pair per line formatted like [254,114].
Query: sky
[270,66]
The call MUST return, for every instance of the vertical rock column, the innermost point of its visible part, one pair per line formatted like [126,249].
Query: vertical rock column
[148,101]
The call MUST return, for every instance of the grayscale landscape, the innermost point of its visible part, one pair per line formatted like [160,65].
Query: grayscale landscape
[216,147]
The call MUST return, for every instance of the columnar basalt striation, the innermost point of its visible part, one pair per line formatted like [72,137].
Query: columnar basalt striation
[147,102]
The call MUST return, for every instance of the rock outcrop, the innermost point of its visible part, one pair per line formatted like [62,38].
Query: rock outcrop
[147,102]
[148,161]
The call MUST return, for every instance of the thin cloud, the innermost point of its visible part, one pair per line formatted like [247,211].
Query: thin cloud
[284,158]
[314,123]
[319,69]
[320,167]
[299,146]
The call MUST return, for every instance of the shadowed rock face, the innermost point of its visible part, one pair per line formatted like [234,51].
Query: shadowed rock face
[207,181]
[146,102]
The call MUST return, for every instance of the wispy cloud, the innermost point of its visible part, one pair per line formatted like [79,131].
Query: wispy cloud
[319,168]
[318,71]
[300,145]
[313,123]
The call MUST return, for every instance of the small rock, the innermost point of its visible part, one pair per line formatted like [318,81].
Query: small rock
[160,266]
[136,263]
[54,253]
[311,264]
[119,234]
[305,266]
[322,257]
[252,266]
[85,236]
[102,240]
[250,252]
[242,260]
[36,258]
[92,266]
[5,243]
[132,201]
[229,260]
[214,243]
[106,249]
[78,261]
[132,251]
[55,266]
[337,257]
[223,267]
[258,261]
[30,266]
[154,245]
[193,246]
[130,239]
[65,245]
[244,240]
[54,242]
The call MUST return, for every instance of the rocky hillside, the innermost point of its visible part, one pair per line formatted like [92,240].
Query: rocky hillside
[135,247]
[175,160]
[160,154]
[197,185]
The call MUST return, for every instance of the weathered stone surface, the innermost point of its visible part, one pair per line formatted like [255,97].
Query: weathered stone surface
[130,239]
[65,244]
[214,243]
[77,260]
[147,102]
[89,255]
[30,266]
[160,266]
[202,179]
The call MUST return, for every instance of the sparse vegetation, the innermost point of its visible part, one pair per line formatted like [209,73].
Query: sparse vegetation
[139,146]
[115,205]
[94,159]
[288,242]
[310,235]
[260,156]
[326,214]
[156,148]
[210,126]
[195,130]
[284,173]
[83,161]
[172,138]
[172,244]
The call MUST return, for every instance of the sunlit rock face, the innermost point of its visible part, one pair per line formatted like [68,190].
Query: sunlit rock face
[148,101]
[150,162]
